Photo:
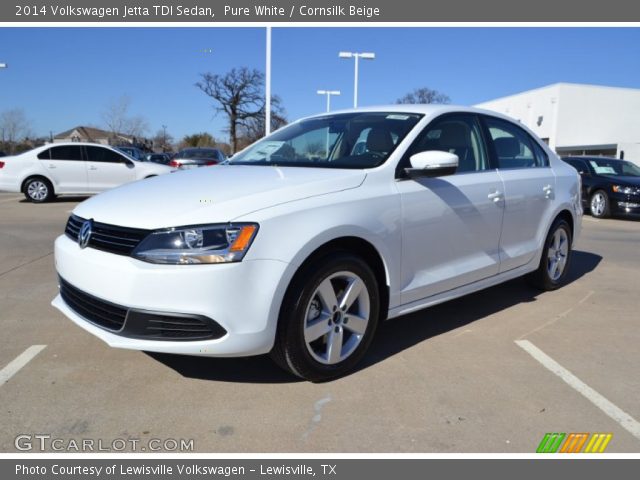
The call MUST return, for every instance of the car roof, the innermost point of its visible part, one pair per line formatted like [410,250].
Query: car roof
[419,108]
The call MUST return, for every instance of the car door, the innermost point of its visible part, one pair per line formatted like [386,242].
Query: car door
[65,166]
[107,168]
[529,191]
[450,225]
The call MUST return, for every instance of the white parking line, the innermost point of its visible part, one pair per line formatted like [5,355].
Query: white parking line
[20,361]
[625,420]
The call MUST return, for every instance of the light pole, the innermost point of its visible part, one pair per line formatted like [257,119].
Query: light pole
[357,56]
[328,93]
[267,86]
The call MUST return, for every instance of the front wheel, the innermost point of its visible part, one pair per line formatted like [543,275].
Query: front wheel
[599,204]
[556,257]
[328,317]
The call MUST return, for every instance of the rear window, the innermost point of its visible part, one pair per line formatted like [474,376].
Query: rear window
[66,152]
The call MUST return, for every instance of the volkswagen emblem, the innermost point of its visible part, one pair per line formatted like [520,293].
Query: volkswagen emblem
[85,233]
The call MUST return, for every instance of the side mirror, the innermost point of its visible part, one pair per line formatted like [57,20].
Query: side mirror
[129,164]
[432,163]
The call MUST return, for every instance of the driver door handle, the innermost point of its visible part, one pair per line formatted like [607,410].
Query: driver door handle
[93,167]
[496,196]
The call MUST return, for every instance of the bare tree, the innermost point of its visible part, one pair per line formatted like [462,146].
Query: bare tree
[238,94]
[14,126]
[163,139]
[424,95]
[253,128]
[136,126]
[116,118]
[115,115]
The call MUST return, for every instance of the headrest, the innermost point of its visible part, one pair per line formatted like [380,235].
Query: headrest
[379,140]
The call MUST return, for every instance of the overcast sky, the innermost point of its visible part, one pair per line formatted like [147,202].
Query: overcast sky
[64,77]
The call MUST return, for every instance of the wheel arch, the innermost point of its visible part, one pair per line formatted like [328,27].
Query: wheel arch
[23,184]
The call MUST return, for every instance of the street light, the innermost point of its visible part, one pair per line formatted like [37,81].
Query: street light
[356,56]
[328,93]
[3,65]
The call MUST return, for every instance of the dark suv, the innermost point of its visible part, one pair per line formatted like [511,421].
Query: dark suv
[609,186]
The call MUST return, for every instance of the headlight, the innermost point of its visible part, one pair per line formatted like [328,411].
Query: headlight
[198,244]
[626,190]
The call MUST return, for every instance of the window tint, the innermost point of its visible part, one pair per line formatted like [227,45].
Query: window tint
[514,147]
[45,154]
[66,152]
[104,155]
[459,134]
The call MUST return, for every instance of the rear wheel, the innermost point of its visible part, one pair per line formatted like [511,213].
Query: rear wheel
[328,318]
[599,204]
[38,190]
[556,257]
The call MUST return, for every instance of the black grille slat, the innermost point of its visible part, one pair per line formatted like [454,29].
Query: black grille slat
[100,312]
[108,238]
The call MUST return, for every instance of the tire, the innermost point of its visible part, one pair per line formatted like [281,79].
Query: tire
[38,190]
[317,315]
[599,204]
[556,258]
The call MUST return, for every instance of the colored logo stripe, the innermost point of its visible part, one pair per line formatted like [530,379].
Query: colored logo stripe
[574,443]
[598,442]
[550,443]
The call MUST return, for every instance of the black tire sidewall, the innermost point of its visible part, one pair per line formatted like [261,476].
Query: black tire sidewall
[293,313]
[550,284]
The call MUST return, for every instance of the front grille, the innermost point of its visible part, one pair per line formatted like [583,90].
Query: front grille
[104,314]
[109,238]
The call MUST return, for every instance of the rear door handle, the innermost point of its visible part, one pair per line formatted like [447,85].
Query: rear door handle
[52,165]
[93,168]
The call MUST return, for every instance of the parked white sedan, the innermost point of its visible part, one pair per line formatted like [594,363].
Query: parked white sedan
[71,168]
[304,241]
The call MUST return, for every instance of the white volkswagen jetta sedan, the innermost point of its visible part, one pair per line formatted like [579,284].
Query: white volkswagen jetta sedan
[71,168]
[303,242]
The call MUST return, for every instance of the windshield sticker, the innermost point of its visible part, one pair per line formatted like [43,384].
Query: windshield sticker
[266,149]
[602,170]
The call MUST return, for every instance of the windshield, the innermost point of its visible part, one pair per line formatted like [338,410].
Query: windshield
[620,168]
[348,140]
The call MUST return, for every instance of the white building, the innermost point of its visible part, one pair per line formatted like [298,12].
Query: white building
[577,119]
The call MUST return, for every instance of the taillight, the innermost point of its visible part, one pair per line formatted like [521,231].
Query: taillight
[175,163]
[1,164]
[211,162]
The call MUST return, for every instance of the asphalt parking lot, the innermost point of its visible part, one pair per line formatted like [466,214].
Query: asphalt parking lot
[448,379]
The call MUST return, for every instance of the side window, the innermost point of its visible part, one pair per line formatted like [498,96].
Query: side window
[579,165]
[103,155]
[45,154]
[66,152]
[459,134]
[514,147]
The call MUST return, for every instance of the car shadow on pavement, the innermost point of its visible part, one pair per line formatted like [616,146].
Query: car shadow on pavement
[63,199]
[392,338]
[403,332]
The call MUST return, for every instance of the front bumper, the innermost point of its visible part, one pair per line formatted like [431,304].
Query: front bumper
[625,204]
[243,298]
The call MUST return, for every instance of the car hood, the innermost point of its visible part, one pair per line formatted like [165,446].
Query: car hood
[622,180]
[212,194]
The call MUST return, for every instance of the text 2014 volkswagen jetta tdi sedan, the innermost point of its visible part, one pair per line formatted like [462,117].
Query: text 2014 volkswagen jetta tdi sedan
[304,241]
